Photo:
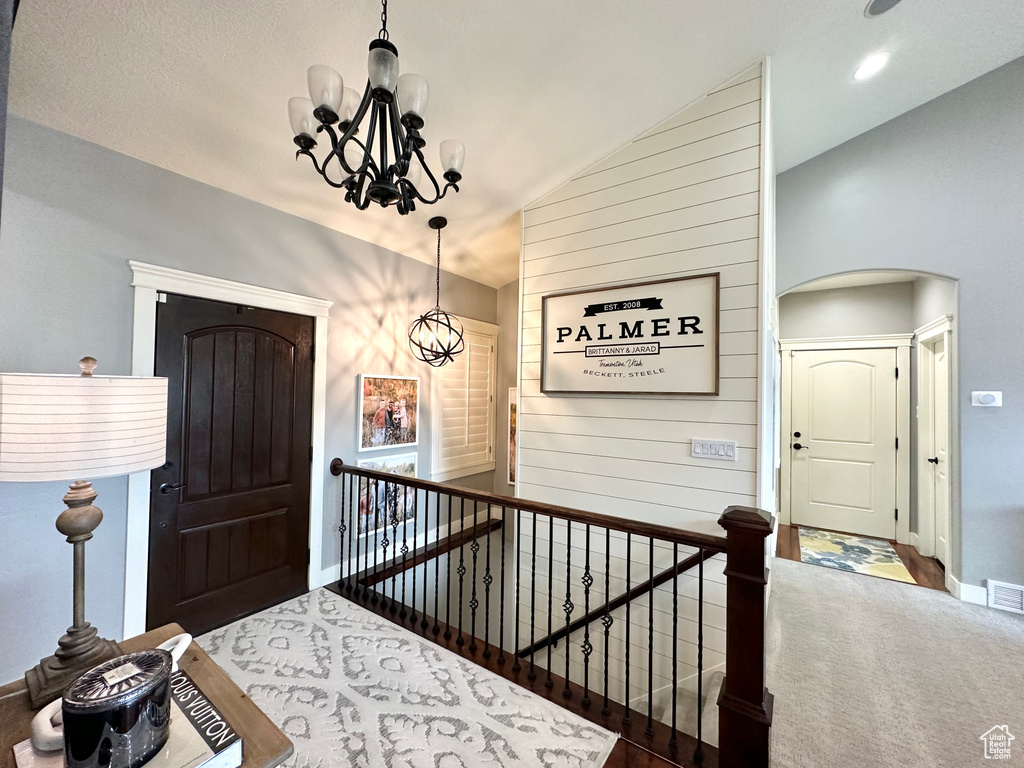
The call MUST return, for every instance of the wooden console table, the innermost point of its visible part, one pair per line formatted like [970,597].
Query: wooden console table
[263,744]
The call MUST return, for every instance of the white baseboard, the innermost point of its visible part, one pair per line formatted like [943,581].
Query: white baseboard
[969,593]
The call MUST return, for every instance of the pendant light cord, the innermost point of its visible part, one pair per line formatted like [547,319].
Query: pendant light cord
[437,295]
[383,34]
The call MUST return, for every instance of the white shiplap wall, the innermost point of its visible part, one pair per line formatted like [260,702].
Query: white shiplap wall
[682,199]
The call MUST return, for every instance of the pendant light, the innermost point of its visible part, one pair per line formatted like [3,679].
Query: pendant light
[387,166]
[436,336]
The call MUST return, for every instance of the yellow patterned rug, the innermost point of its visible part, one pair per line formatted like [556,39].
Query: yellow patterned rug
[875,557]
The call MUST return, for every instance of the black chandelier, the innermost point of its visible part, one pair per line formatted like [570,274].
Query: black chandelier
[435,337]
[396,107]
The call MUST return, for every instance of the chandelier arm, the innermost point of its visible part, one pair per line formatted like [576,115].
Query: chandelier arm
[401,142]
[437,190]
[382,111]
[371,164]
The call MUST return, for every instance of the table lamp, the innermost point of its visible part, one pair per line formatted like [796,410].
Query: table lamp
[65,427]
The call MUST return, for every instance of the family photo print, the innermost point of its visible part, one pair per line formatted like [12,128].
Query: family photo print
[388,411]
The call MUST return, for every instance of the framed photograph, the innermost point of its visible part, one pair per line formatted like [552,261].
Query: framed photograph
[388,411]
[512,397]
[656,338]
[382,505]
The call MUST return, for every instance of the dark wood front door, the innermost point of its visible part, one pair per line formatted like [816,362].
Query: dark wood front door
[234,537]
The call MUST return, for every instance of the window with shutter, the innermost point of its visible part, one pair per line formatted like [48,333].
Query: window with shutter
[463,407]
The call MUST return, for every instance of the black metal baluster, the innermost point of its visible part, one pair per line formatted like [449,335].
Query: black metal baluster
[487,589]
[426,540]
[550,683]
[698,752]
[607,620]
[353,528]
[629,603]
[567,606]
[448,579]
[673,742]
[649,731]
[519,577]
[474,547]
[586,648]
[361,539]
[341,530]
[376,540]
[533,597]
[437,563]
[393,499]
[461,570]
[405,550]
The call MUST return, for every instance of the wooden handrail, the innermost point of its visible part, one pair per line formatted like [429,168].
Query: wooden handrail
[623,525]
[617,602]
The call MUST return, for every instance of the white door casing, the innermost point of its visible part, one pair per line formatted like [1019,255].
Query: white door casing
[148,281]
[844,459]
[851,476]
[934,388]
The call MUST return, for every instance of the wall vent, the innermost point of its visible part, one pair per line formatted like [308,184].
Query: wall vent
[1006,597]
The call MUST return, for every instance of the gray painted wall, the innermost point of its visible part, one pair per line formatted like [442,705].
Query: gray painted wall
[867,310]
[74,213]
[933,298]
[940,190]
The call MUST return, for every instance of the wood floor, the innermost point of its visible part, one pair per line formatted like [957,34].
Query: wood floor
[927,571]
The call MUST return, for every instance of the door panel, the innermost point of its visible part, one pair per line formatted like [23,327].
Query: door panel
[940,438]
[843,476]
[233,538]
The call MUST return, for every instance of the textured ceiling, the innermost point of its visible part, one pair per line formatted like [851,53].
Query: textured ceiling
[537,90]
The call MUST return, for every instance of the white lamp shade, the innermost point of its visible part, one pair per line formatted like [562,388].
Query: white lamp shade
[300,114]
[453,155]
[325,87]
[55,427]
[413,93]
[383,68]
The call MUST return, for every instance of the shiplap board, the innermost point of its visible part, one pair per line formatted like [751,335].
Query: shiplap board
[682,199]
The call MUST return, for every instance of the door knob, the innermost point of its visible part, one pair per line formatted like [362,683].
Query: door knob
[168,488]
[934,460]
[798,447]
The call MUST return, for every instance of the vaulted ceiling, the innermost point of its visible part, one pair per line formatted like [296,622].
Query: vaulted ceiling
[537,90]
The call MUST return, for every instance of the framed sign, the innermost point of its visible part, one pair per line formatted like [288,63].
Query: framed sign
[657,338]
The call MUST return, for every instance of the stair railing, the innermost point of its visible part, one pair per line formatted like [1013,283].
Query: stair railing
[571,584]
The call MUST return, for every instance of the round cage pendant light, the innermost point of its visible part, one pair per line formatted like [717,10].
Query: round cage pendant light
[435,337]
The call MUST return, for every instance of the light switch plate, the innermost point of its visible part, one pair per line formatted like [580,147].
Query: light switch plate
[721,450]
[987,399]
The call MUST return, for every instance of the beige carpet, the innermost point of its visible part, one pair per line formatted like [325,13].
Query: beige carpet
[872,672]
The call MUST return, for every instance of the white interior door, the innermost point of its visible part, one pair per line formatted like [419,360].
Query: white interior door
[939,459]
[843,444]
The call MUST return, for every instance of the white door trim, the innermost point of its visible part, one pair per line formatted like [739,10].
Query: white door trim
[926,531]
[149,280]
[901,343]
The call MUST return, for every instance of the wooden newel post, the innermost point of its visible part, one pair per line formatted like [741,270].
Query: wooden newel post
[744,704]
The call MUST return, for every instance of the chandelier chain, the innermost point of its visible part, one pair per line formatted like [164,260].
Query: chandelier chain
[383,35]
[437,295]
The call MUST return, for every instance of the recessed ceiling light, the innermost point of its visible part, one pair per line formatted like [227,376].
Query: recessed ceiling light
[878,7]
[871,66]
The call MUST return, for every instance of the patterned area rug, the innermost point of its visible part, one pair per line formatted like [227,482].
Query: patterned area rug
[874,557]
[352,689]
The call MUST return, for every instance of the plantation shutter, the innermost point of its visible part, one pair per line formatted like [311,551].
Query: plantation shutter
[464,412]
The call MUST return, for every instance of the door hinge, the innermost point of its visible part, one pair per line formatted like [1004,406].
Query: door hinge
[897,443]
[897,514]
[309,555]
[897,372]
[311,454]
[312,353]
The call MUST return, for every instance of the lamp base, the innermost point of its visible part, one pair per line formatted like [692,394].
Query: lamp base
[80,650]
